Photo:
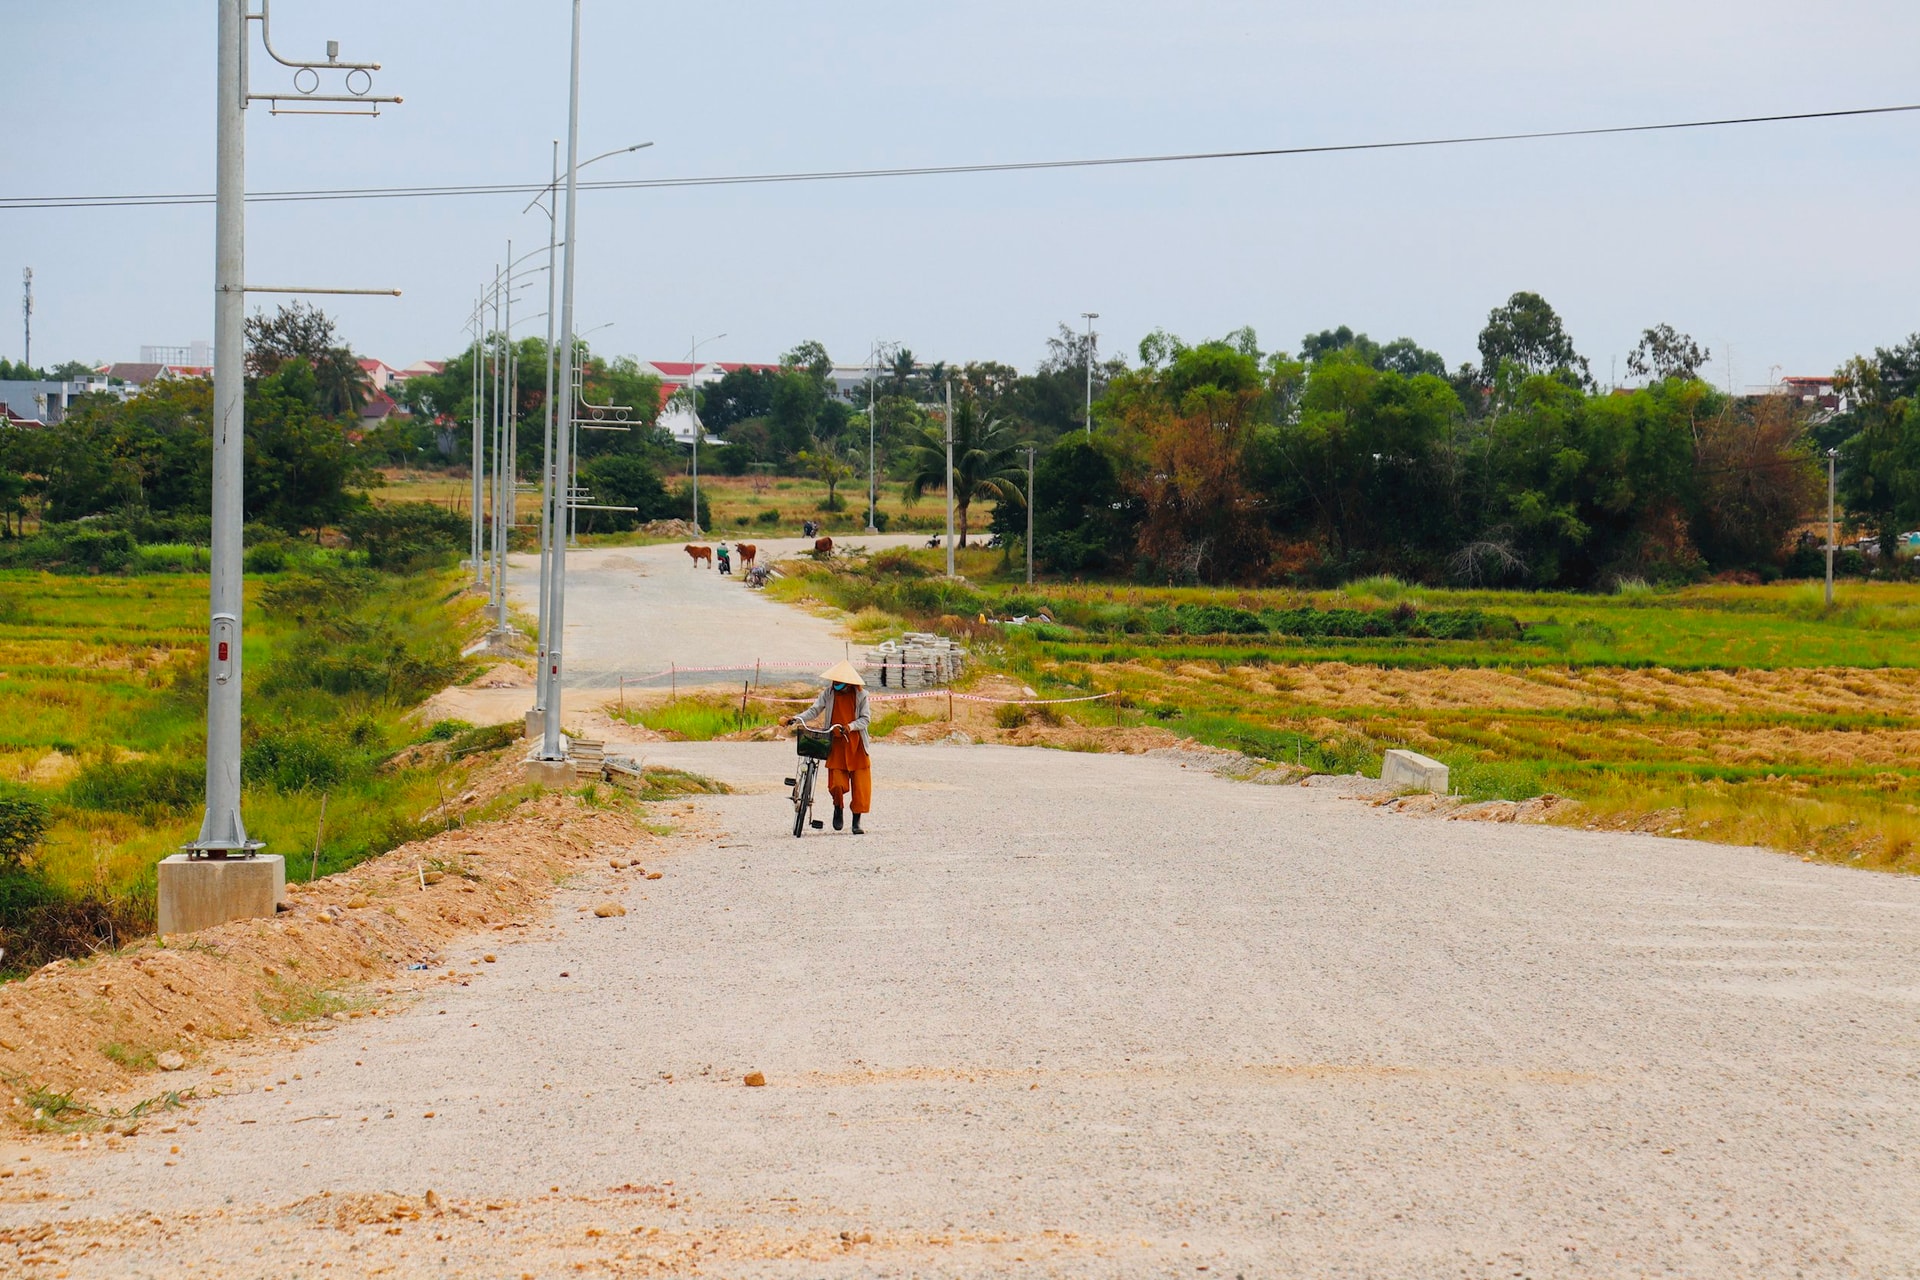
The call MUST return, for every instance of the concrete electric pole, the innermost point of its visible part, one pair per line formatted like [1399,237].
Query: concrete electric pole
[223,834]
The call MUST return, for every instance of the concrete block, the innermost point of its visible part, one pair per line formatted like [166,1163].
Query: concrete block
[536,722]
[1403,769]
[198,893]
[555,774]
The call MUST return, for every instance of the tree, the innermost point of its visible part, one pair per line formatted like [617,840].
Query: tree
[1403,356]
[298,461]
[811,358]
[987,462]
[624,480]
[827,463]
[297,331]
[1082,517]
[1759,478]
[742,394]
[1664,352]
[1527,334]
[1880,475]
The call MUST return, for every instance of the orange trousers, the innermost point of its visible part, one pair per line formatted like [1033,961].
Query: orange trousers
[859,780]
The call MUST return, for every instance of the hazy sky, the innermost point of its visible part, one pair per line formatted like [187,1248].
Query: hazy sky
[1792,245]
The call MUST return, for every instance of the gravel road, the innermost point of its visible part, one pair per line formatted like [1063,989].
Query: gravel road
[633,610]
[1069,1014]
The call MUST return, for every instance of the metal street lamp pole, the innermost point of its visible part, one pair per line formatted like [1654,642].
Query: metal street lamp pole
[949,484]
[541,680]
[550,746]
[1832,531]
[1090,317]
[476,413]
[1029,515]
[873,377]
[221,830]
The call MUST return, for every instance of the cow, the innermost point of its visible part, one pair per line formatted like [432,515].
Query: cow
[822,548]
[747,552]
[697,554]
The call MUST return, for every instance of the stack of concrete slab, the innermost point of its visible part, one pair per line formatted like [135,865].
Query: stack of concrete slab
[589,759]
[917,660]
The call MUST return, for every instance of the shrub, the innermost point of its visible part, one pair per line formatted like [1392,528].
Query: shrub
[407,535]
[445,730]
[491,738]
[138,786]
[1010,715]
[770,516]
[296,760]
[899,562]
[23,821]
[267,557]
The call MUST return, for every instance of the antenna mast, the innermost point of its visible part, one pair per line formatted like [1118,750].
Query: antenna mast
[26,314]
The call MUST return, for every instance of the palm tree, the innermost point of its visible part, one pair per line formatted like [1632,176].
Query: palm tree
[985,462]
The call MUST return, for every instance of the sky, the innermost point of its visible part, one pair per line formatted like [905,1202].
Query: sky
[1783,248]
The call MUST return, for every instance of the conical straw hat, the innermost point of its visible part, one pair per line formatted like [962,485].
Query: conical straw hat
[842,673]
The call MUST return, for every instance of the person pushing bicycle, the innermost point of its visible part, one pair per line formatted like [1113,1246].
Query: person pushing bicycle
[841,709]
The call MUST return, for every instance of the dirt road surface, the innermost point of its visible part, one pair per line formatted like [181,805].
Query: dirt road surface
[1083,1015]
[632,611]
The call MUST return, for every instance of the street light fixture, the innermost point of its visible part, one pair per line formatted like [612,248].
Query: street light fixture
[1832,531]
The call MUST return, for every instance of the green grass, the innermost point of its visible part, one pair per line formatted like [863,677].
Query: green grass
[698,719]
[102,694]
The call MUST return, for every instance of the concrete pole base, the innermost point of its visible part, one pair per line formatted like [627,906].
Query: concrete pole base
[536,722]
[198,893]
[556,774]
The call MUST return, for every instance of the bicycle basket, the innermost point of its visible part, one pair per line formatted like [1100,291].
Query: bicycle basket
[813,744]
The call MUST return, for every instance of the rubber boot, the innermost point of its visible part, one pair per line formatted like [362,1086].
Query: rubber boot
[856,825]
[840,819]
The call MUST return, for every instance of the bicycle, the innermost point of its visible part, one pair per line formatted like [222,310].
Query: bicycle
[811,746]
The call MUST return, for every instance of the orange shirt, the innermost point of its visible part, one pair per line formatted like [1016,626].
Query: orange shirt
[849,752]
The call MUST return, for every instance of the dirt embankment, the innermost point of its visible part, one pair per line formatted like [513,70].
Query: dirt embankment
[120,1024]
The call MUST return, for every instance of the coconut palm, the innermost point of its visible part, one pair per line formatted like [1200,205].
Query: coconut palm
[985,462]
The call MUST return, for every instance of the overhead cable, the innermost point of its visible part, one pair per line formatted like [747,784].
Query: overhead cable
[923,171]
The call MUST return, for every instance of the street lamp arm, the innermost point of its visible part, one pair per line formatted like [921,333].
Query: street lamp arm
[548,189]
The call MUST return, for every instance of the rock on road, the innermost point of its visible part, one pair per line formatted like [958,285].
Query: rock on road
[1085,1015]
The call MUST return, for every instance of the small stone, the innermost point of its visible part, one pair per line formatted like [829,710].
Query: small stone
[608,910]
[433,1201]
[169,1060]
[635,862]
[756,1080]
[615,863]
[488,957]
[434,877]
[357,901]
[655,875]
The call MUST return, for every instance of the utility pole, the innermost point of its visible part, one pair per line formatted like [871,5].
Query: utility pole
[26,315]
[693,412]
[477,414]
[551,748]
[1089,317]
[1029,515]
[949,484]
[542,685]
[222,832]
[1832,531]
[873,377]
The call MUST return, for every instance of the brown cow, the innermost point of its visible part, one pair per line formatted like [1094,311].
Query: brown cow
[697,554]
[822,548]
[747,552]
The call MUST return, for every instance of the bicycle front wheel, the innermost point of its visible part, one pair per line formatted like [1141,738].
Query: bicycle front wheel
[803,799]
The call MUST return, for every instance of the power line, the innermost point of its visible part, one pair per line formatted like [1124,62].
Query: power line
[842,175]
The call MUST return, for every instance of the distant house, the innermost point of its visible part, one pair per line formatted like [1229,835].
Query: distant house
[45,403]
[1813,392]
[139,373]
[379,373]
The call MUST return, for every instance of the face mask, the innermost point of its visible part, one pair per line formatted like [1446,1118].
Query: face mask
[838,687]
